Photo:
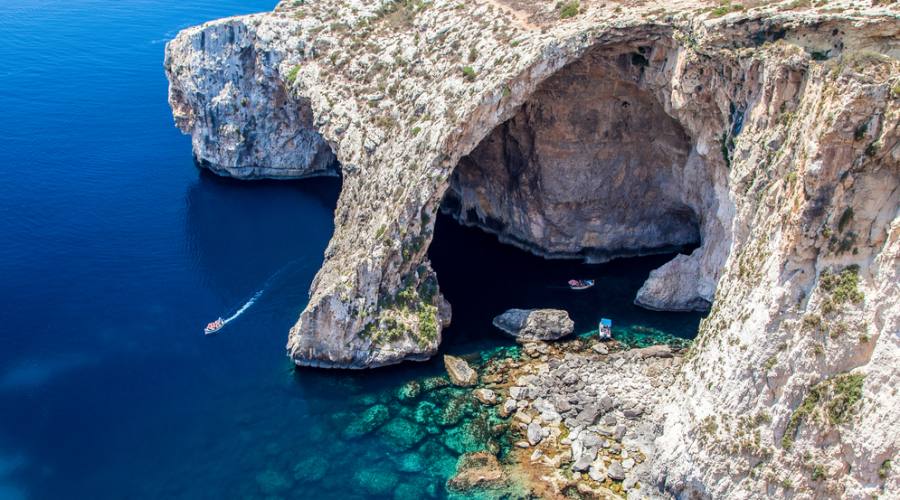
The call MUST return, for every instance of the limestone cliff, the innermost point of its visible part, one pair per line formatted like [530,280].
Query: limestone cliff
[765,133]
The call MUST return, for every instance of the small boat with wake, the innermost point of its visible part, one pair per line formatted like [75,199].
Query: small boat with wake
[214,326]
[580,284]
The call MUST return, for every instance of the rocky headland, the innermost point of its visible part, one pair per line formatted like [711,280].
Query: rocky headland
[764,134]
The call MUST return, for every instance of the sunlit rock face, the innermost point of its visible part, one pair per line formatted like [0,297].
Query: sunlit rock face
[591,165]
[226,92]
[769,136]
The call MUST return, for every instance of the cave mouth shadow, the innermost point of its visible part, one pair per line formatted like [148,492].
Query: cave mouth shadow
[591,177]
[482,277]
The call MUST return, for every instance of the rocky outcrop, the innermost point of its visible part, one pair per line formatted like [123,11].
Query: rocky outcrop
[771,141]
[535,324]
[476,470]
[460,373]
[227,92]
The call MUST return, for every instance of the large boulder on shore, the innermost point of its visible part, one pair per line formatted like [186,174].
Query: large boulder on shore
[460,372]
[535,324]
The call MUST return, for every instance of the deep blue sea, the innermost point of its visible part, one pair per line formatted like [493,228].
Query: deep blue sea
[115,251]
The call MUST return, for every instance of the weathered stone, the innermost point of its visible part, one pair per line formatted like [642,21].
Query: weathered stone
[615,471]
[460,372]
[535,324]
[767,136]
[535,433]
[583,463]
[597,472]
[633,412]
[476,470]
[485,396]
[508,407]
[589,415]
[654,351]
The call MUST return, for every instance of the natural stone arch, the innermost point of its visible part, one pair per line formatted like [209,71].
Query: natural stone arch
[593,166]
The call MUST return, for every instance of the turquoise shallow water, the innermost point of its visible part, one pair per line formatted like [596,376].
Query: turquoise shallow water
[116,251]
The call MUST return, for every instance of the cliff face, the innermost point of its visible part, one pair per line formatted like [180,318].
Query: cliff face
[768,136]
[226,92]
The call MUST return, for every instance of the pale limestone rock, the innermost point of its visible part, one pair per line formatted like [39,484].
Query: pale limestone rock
[460,372]
[535,324]
[763,147]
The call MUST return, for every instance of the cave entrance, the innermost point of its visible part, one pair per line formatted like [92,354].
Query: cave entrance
[482,278]
[589,169]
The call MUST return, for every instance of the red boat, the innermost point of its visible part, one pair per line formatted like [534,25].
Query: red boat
[214,327]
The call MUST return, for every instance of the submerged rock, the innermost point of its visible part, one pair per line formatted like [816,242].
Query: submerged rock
[379,482]
[476,470]
[272,482]
[371,419]
[311,469]
[535,324]
[460,372]
[409,390]
[401,434]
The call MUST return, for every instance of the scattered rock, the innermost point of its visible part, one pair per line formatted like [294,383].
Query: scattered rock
[535,433]
[606,404]
[615,471]
[588,415]
[476,470]
[633,412]
[460,372]
[654,351]
[597,472]
[485,396]
[583,463]
[600,348]
[508,407]
[628,463]
[535,324]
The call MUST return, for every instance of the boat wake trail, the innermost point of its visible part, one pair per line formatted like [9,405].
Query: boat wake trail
[243,308]
[220,323]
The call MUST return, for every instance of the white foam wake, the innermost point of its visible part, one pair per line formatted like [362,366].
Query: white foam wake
[256,296]
[243,308]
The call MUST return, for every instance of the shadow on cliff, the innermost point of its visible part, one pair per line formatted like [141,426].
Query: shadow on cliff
[482,278]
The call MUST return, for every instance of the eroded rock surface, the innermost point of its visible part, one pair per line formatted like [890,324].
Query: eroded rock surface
[460,372]
[535,324]
[773,145]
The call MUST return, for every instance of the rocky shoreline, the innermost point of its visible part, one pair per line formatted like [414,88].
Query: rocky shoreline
[581,415]
[765,132]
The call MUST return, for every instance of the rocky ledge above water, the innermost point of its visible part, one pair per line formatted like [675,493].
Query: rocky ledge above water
[763,134]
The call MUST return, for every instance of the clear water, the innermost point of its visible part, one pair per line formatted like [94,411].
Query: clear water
[115,251]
